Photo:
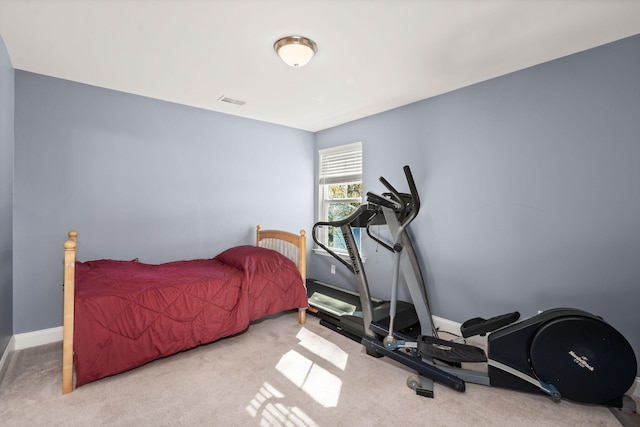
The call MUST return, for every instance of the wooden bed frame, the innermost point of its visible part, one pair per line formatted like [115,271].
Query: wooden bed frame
[293,246]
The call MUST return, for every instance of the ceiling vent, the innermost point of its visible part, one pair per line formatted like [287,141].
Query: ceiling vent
[231,100]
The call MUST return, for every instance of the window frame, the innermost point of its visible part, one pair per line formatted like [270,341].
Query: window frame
[339,165]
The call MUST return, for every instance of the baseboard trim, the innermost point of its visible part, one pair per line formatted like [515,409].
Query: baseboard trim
[635,388]
[453,328]
[36,338]
[5,355]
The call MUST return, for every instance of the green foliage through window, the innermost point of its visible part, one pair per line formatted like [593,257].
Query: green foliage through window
[341,206]
[340,190]
[345,191]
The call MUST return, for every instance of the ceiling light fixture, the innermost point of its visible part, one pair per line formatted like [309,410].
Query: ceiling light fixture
[295,51]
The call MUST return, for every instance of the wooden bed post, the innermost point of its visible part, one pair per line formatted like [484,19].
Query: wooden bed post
[258,227]
[302,312]
[69,289]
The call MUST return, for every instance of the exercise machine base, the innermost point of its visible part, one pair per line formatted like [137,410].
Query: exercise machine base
[585,358]
[340,310]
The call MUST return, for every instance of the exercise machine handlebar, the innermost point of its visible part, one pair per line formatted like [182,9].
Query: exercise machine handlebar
[415,198]
[355,218]
[405,210]
[365,213]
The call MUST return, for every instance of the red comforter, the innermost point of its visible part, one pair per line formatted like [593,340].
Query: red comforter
[128,313]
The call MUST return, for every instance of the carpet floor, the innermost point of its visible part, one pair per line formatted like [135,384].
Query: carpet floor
[278,373]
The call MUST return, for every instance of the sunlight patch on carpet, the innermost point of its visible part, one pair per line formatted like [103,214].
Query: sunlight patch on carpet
[323,348]
[317,382]
[269,404]
[272,412]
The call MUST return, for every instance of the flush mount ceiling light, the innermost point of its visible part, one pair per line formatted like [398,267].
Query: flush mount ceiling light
[295,51]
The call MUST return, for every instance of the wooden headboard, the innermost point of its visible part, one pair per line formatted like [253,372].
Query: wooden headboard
[293,246]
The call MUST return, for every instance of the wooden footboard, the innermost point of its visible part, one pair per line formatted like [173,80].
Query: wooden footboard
[293,246]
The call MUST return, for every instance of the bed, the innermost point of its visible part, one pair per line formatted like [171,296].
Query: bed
[119,315]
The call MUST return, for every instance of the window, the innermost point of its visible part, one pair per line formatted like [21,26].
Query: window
[340,191]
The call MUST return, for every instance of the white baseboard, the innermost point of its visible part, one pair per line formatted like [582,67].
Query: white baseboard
[635,388]
[30,339]
[5,355]
[36,338]
[451,327]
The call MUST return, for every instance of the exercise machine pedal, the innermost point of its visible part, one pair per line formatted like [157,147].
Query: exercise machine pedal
[414,362]
[480,326]
[449,351]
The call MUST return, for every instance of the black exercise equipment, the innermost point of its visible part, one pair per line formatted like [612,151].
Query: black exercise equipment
[340,309]
[563,352]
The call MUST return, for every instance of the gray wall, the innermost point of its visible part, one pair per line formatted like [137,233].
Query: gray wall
[138,177]
[6,196]
[530,189]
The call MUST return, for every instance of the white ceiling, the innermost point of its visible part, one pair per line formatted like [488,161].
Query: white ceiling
[374,55]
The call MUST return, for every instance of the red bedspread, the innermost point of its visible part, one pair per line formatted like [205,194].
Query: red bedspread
[129,313]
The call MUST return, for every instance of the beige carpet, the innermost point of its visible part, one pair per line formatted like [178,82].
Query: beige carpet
[278,373]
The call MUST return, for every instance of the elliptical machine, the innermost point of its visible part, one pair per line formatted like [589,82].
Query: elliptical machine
[342,310]
[561,352]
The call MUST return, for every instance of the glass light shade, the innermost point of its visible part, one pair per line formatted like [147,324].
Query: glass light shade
[295,51]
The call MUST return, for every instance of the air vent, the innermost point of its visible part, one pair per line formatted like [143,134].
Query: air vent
[231,100]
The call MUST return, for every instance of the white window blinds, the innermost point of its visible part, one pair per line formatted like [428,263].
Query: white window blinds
[341,164]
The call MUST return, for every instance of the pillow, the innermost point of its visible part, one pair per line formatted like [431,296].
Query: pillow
[255,259]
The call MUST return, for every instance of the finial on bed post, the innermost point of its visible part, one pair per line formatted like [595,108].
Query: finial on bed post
[258,227]
[70,245]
